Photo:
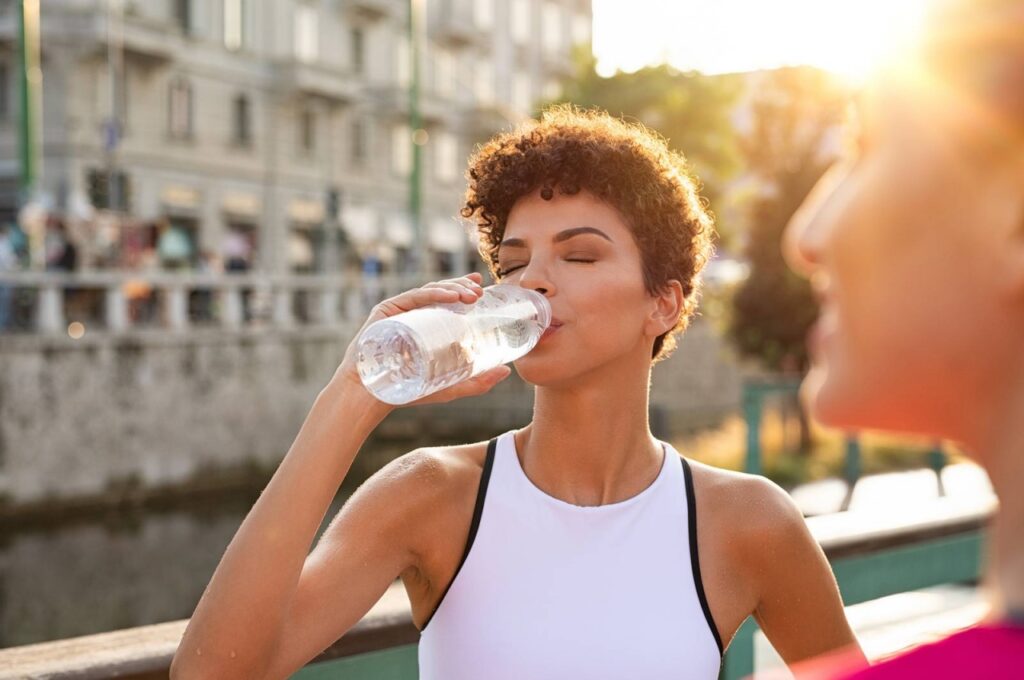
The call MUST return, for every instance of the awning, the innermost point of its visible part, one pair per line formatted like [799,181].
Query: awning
[399,230]
[178,199]
[241,205]
[300,250]
[447,234]
[360,223]
[305,211]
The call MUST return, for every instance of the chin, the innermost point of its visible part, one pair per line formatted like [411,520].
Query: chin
[837,403]
[852,406]
[542,374]
[551,370]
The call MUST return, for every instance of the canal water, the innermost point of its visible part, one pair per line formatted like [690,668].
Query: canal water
[104,571]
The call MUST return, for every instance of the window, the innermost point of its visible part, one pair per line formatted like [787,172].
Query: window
[307,130]
[552,90]
[180,109]
[551,27]
[234,24]
[403,62]
[446,157]
[522,93]
[5,91]
[581,29]
[360,143]
[242,120]
[101,185]
[521,28]
[183,15]
[401,150]
[483,14]
[307,46]
[484,82]
[358,46]
[444,72]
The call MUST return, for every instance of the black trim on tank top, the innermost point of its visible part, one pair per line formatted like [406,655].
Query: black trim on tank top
[478,511]
[691,512]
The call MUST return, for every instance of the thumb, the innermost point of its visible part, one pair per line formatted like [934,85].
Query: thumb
[475,386]
[488,379]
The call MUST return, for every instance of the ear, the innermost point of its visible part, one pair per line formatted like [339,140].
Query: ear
[666,306]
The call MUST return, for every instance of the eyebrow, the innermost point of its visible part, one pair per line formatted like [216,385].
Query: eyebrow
[564,235]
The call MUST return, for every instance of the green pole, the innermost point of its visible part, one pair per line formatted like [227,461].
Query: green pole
[852,470]
[29,82]
[752,407]
[936,461]
[416,138]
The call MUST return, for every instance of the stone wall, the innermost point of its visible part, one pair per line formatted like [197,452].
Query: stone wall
[83,418]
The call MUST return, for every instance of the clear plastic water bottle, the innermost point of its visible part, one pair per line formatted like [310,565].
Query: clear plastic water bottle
[416,353]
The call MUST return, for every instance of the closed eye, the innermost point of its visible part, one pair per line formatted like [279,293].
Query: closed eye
[505,272]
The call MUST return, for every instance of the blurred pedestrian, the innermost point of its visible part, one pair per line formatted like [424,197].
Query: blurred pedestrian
[201,298]
[915,246]
[61,252]
[237,251]
[8,264]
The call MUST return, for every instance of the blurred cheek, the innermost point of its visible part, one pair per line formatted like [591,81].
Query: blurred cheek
[905,307]
[852,230]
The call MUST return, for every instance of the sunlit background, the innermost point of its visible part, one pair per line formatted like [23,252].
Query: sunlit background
[731,36]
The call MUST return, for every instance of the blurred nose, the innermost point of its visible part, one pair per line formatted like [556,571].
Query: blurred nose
[803,242]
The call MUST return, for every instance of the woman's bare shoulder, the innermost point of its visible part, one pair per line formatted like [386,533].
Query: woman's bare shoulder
[747,505]
[430,478]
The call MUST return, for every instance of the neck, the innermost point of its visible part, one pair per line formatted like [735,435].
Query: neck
[999,447]
[1006,549]
[590,443]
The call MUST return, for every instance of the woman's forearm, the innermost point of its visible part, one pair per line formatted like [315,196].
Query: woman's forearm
[239,618]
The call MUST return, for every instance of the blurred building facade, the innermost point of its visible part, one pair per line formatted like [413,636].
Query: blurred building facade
[276,133]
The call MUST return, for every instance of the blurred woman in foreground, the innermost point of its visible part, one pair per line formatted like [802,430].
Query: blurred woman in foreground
[916,249]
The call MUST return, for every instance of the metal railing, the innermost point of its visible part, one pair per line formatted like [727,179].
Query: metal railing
[756,395]
[872,556]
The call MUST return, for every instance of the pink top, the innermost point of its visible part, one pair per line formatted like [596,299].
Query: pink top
[994,651]
[987,651]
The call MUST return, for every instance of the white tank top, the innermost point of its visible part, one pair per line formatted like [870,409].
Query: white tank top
[547,589]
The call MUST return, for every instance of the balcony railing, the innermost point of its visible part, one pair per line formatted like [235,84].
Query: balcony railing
[123,302]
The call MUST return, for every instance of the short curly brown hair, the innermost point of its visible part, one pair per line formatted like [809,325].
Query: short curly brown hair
[626,165]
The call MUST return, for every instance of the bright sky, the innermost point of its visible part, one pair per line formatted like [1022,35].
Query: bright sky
[722,36]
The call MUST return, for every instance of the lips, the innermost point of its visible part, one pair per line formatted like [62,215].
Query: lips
[555,325]
[821,331]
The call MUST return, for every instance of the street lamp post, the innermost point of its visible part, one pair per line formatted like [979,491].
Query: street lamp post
[115,69]
[30,83]
[421,264]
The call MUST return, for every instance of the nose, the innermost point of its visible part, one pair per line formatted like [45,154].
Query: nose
[535,277]
[803,242]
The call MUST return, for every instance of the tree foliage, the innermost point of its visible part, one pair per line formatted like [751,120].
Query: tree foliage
[691,110]
[796,114]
